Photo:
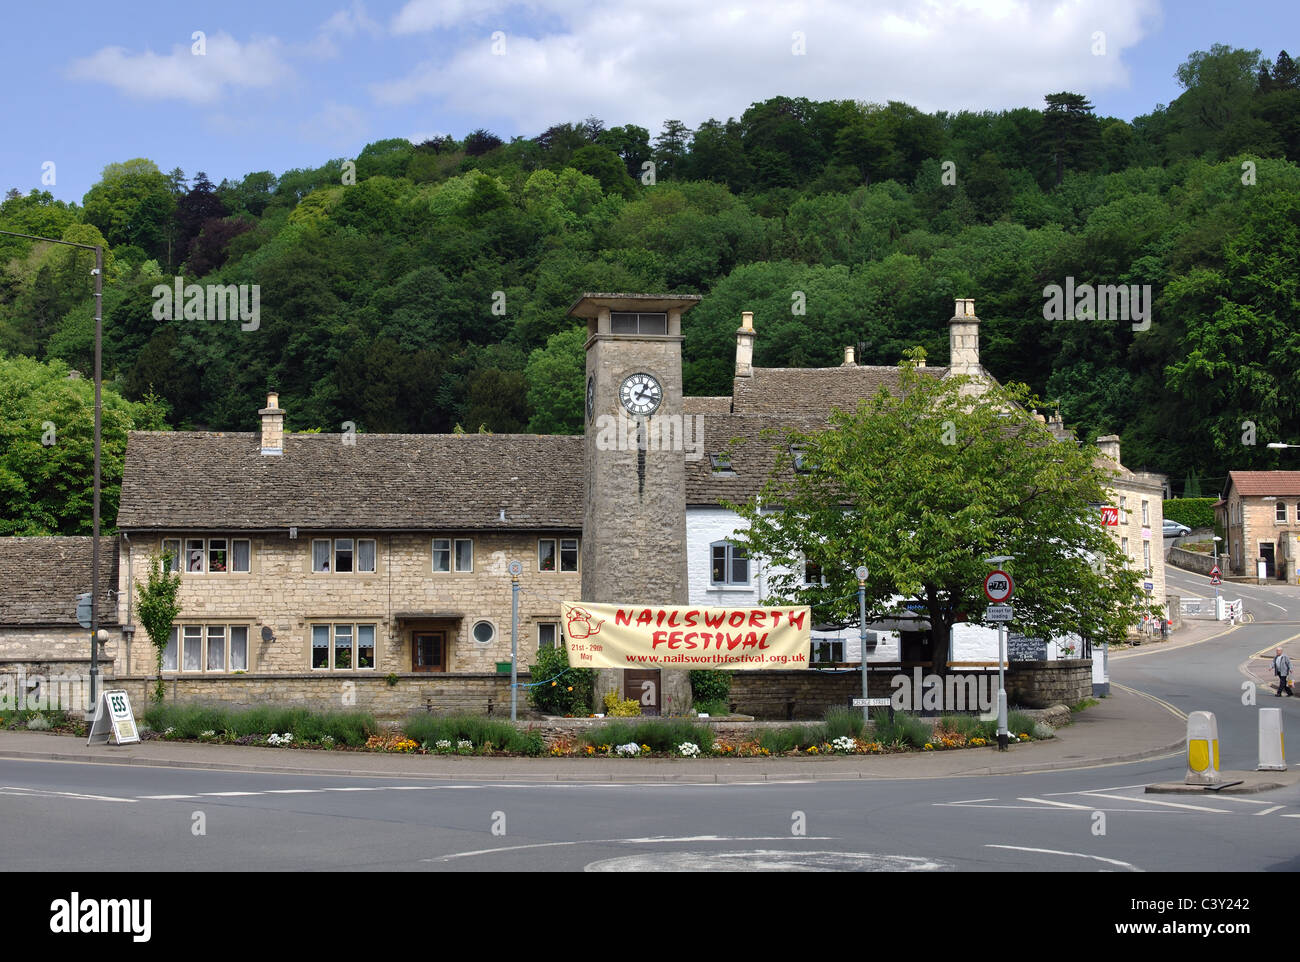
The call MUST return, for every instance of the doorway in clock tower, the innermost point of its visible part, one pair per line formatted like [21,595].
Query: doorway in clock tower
[634,520]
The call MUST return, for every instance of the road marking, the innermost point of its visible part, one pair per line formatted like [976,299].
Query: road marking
[225,794]
[377,789]
[291,791]
[1051,851]
[1278,607]
[1159,701]
[634,841]
[1269,811]
[971,801]
[47,793]
[1112,788]
[1289,816]
[1152,801]
[1044,801]
[165,798]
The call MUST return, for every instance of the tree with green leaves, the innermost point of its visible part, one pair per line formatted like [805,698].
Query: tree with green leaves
[1071,131]
[922,486]
[158,609]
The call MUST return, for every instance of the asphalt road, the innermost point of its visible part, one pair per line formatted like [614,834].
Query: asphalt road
[136,818]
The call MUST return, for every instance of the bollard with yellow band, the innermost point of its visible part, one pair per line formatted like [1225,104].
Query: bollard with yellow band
[1272,742]
[1202,749]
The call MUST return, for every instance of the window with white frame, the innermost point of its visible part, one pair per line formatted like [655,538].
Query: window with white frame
[1146,514]
[342,646]
[210,648]
[208,555]
[1279,512]
[1123,510]
[553,552]
[1146,556]
[729,564]
[548,634]
[343,555]
[453,554]
[1123,546]
[827,652]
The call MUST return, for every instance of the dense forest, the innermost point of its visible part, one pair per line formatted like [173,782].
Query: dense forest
[423,287]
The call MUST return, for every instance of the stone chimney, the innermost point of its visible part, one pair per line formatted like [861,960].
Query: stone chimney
[1109,446]
[848,357]
[272,425]
[964,339]
[1056,425]
[745,345]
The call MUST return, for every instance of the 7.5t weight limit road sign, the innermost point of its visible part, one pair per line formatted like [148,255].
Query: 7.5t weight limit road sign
[998,586]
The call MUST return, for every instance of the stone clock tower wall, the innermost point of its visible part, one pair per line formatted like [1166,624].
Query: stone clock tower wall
[634,523]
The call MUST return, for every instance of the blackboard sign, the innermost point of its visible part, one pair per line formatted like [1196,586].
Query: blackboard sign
[1020,648]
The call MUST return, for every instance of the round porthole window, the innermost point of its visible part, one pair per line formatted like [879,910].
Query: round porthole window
[484,632]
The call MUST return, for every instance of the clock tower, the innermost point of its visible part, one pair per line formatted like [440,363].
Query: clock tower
[634,521]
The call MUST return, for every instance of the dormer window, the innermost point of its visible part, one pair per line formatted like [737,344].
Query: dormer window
[721,464]
[800,455]
[627,323]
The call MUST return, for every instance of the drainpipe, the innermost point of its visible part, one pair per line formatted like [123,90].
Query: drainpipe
[128,629]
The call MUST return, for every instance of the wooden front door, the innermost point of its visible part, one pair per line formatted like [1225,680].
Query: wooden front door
[429,651]
[642,686]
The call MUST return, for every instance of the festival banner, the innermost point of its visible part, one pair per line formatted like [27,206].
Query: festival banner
[686,636]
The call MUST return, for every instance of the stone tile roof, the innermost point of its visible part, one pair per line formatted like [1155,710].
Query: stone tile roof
[813,391]
[758,439]
[1254,483]
[706,405]
[43,576]
[197,480]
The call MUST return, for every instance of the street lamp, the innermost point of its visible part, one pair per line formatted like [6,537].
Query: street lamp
[1217,539]
[1003,731]
[862,573]
[98,273]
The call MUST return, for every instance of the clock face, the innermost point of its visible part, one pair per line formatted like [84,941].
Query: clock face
[591,398]
[641,394]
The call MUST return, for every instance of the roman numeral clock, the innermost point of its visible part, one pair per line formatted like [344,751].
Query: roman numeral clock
[634,517]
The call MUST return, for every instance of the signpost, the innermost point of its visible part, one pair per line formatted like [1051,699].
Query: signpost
[998,588]
[516,568]
[113,715]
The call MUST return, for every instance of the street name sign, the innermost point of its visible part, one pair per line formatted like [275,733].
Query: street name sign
[871,703]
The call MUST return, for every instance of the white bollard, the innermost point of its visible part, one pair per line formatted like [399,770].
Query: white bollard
[1272,742]
[1202,749]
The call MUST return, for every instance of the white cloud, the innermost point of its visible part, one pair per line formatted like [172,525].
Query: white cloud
[185,75]
[342,25]
[643,62]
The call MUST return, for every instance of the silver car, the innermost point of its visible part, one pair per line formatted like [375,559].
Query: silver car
[1175,530]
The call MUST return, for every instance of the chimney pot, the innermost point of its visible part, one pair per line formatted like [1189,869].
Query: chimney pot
[964,338]
[848,357]
[1108,444]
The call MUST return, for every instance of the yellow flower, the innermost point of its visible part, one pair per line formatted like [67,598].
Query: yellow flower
[929,747]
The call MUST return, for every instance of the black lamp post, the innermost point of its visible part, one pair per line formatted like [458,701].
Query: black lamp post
[94,541]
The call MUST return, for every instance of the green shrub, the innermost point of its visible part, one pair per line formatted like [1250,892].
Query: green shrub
[554,696]
[712,708]
[189,721]
[970,726]
[1193,512]
[616,707]
[778,741]
[905,728]
[844,722]
[478,729]
[1019,723]
[710,685]
[662,734]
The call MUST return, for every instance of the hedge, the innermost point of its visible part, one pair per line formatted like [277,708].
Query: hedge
[1193,512]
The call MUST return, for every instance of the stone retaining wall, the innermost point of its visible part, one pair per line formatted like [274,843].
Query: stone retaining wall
[1041,684]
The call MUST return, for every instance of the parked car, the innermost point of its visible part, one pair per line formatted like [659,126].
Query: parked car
[1175,530]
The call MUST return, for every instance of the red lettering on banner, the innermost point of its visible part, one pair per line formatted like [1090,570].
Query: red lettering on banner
[674,639]
[692,618]
[621,617]
[756,617]
[797,618]
[659,637]
[736,619]
[644,618]
[689,636]
[734,640]
[715,620]
[776,618]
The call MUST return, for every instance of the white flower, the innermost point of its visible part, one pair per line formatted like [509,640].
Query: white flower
[169,730]
[463,743]
[207,734]
[631,748]
[844,744]
[442,743]
[688,749]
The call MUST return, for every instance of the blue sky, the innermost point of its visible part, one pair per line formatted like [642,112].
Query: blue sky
[284,84]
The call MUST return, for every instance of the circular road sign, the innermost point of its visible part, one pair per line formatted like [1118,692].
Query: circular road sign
[516,568]
[998,586]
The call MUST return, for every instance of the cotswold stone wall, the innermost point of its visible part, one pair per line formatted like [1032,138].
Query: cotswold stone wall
[478,694]
[1041,684]
[807,694]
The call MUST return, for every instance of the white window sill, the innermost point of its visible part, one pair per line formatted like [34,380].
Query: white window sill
[732,588]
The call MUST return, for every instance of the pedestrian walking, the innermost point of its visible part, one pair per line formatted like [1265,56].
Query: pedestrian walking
[1282,668]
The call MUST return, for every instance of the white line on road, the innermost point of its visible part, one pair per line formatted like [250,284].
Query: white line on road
[1112,788]
[291,791]
[1044,801]
[1268,811]
[1152,801]
[44,793]
[1049,851]
[969,801]
[1289,816]
[225,794]
[1278,607]
[353,789]
[164,798]
[634,841]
